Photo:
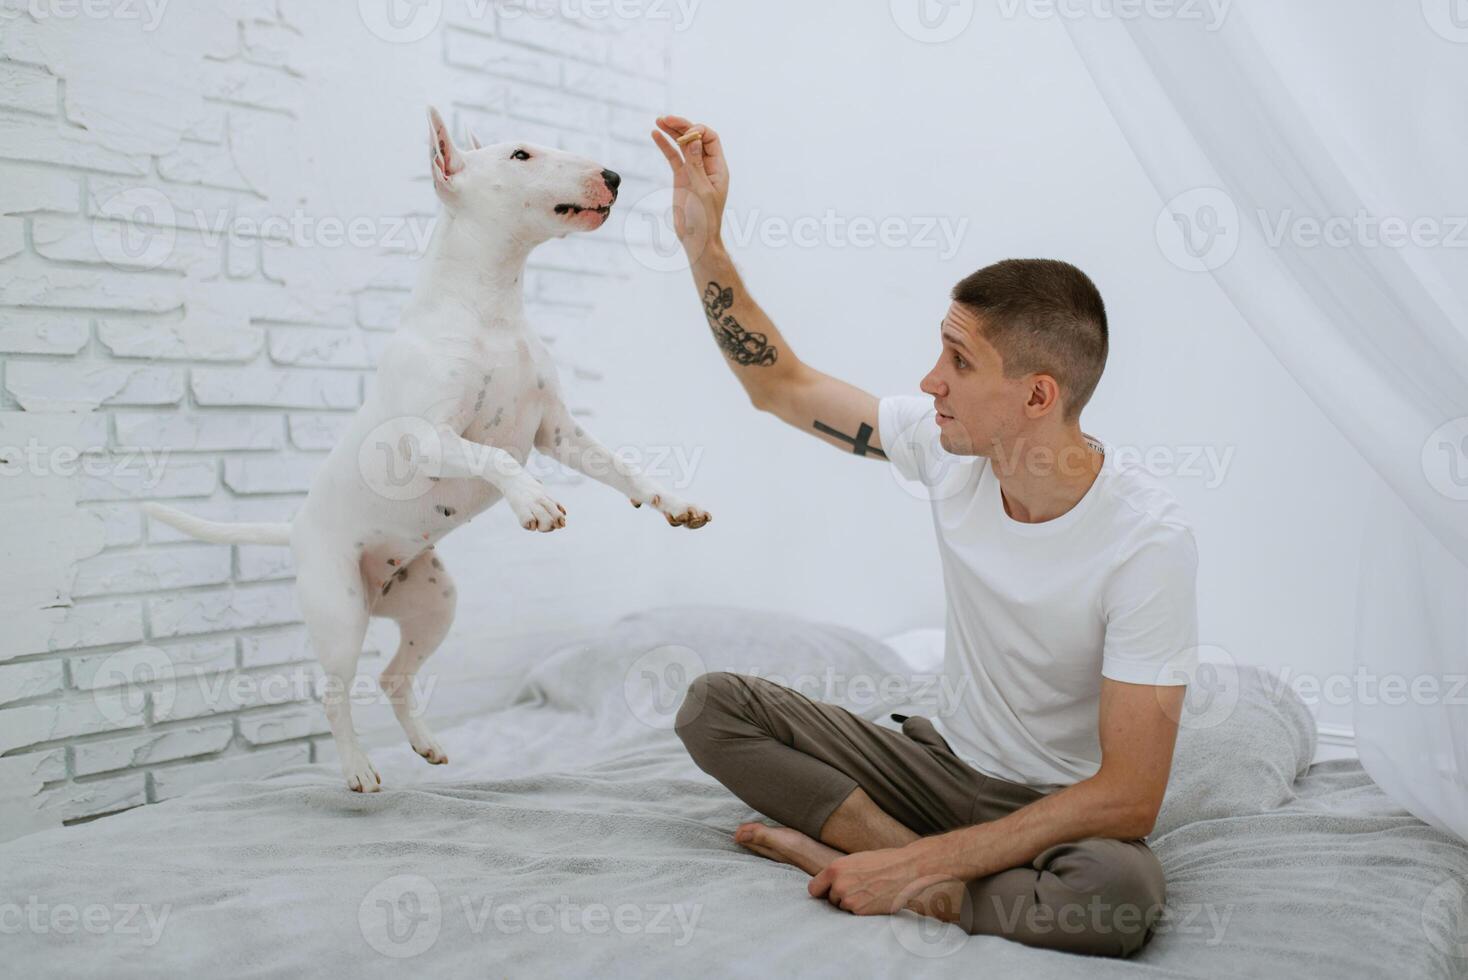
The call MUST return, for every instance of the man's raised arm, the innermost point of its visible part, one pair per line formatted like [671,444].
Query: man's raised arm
[775,379]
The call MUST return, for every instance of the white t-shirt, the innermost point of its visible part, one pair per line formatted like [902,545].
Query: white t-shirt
[1039,613]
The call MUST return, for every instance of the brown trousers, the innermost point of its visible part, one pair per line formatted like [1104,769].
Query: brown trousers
[796,760]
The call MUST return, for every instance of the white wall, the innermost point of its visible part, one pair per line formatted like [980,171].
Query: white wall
[129,144]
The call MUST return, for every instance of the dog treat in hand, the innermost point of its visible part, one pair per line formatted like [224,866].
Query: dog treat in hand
[690,136]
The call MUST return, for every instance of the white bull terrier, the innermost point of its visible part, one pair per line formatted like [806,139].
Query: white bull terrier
[464,390]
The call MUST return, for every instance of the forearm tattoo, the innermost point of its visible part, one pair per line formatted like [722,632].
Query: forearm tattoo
[740,346]
[860,444]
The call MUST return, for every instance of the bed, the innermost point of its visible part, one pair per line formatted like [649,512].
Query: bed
[571,836]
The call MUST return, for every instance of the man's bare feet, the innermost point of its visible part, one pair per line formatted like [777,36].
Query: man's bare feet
[786,845]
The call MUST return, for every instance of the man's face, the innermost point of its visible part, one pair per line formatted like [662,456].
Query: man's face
[979,410]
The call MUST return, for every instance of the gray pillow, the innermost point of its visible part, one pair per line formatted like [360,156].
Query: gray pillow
[1244,738]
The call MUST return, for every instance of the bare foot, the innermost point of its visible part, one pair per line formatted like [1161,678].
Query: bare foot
[786,845]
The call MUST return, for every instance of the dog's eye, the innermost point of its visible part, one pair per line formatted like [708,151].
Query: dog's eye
[519,155]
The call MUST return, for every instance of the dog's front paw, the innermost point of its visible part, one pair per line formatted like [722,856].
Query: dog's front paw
[678,513]
[533,506]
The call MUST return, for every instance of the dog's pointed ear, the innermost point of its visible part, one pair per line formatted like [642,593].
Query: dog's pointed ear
[445,159]
[474,141]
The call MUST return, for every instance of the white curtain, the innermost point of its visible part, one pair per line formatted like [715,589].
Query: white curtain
[1312,155]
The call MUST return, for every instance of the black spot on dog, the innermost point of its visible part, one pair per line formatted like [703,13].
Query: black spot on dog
[445,511]
[432,580]
[392,561]
[402,575]
[437,563]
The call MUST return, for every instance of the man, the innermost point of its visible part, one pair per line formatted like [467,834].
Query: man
[1071,625]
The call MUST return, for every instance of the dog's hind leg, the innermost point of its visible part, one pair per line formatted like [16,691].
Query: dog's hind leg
[420,597]
[330,593]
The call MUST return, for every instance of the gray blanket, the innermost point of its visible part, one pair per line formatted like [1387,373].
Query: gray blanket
[571,837]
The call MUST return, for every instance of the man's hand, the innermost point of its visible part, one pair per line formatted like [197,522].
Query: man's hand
[873,882]
[700,183]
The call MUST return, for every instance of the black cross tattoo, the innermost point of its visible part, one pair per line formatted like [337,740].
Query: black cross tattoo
[861,445]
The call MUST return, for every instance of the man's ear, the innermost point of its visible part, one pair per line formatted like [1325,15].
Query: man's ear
[445,158]
[1044,396]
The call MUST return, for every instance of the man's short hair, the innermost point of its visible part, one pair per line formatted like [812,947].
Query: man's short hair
[1043,316]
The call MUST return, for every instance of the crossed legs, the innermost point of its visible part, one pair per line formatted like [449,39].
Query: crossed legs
[841,784]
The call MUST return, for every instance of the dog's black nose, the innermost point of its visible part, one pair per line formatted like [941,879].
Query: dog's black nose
[613,179]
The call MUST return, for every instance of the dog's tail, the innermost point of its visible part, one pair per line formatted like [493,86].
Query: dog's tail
[217,532]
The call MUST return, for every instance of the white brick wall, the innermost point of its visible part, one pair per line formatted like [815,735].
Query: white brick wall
[167,333]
